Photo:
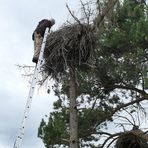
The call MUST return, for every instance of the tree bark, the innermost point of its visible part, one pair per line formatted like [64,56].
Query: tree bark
[73,110]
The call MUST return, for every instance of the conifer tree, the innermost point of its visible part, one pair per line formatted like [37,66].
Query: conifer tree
[115,80]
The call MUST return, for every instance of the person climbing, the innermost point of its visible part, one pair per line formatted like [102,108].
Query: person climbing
[38,36]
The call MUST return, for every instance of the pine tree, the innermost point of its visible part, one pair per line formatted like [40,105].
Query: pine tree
[115,79]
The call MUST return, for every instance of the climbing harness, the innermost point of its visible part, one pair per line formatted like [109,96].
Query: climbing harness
[21,131]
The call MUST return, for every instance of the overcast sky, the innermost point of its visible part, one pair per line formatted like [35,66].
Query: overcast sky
[18,20]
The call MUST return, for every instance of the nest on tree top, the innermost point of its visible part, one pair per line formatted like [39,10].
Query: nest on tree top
[71,45]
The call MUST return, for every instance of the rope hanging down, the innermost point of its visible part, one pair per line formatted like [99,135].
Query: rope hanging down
[21,131]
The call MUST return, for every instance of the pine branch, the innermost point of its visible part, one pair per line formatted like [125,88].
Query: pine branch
[121,107]
[128,104]
[129,87]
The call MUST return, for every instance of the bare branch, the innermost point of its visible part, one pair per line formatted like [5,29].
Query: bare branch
[131,117]
[128,104]
[130,87]
[112,141]
[75,18]
[87,12]
[26,70]
[126,118]
[111,136]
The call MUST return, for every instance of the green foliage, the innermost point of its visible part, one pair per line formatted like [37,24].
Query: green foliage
[89,119]
[124,44]
[55,130]
[130,30]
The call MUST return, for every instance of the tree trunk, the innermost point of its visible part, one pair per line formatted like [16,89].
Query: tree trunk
[73,111]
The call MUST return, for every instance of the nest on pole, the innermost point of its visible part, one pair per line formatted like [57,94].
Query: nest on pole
[132,139]
[71,45]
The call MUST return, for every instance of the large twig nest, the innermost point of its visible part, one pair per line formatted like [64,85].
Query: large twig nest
[70,45]
[132,139]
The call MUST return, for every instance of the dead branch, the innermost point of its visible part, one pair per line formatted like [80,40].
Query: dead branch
[26,70]
[87,12]
[128,104]
[75,18]
[110,137]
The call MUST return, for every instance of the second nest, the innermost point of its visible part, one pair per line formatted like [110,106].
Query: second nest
[72,45]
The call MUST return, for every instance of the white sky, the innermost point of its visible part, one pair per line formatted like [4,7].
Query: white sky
[18,20]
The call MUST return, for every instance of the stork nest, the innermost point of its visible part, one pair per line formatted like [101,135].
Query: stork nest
[132,139]
[70,45]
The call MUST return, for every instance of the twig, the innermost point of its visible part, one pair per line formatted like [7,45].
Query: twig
[112,141]
[87,14]
[111,136]
[75,18]
[127,120]
[119,108]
